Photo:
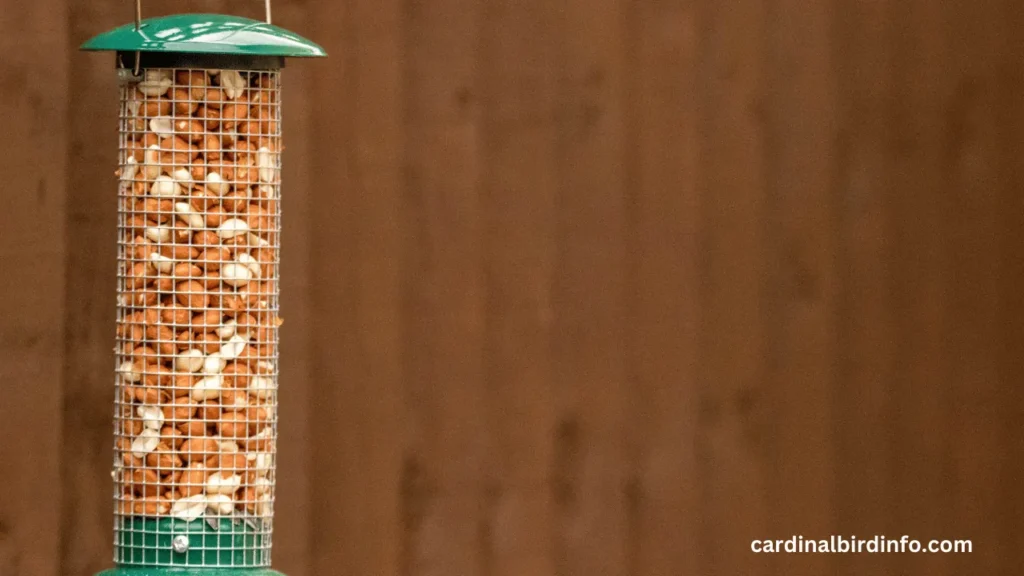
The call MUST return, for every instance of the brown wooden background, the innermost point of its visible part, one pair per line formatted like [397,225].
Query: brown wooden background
[573,287]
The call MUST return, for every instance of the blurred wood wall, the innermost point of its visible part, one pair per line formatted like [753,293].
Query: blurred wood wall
[575,288]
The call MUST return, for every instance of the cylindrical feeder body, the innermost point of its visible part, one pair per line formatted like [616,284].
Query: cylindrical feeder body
[198,267]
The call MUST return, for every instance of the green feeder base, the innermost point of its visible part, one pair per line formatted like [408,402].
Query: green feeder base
[232,547]
[190,572]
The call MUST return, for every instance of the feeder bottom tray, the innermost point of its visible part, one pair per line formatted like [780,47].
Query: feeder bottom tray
[228,547]
[164,571]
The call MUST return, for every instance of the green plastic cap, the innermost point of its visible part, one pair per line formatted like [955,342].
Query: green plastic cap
[206,34]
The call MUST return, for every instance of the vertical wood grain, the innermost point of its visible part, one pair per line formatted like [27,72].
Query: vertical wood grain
[358,209]
[796,395]
[442,488]
[971,160]
[921,211]
[664,310]
[864,442]
[519,81]
[91,234]
[591,460]
[733,347]
[1010,541]
[33,88]
[293,505]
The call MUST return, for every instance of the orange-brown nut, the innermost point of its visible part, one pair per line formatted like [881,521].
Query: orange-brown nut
[198,449]
[179,251]
[182,385]
[209,410]
[208,343]
[163,456]
[236,375]
[162,337]
[193,480]
[212,257]
[191,429]
[233,425]
[151,506]
[172,436]
[180,410]
[183,103]
[206,321]
[143,482]
[210,116]
[191,294]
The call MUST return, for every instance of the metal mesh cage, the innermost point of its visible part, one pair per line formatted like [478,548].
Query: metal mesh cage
[197,317]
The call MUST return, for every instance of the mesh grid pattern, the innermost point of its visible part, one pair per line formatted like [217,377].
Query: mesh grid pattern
[197,313]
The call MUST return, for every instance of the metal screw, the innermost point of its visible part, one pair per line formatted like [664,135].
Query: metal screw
[180,543]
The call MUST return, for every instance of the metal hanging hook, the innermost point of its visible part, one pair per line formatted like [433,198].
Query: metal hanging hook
[138,26]
[138,13]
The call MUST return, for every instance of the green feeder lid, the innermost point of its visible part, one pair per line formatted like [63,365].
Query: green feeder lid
[206,34]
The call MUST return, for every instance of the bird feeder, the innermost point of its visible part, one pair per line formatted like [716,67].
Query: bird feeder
[196,369]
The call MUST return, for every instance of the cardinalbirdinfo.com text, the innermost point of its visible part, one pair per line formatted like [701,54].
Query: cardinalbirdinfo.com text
[836,544]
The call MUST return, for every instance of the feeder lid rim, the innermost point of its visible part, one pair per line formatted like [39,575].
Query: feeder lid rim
[206,34]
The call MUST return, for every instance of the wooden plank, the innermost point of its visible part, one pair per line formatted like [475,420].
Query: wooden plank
[664,285]
[33,88]
[733,238]
[865,463]
[359,209]
[1010,541]
[293,496]
[86,511]
[444,300]
[590,366]
[970,158]
[920,211]
[332,224]
[796,401]
[520,184]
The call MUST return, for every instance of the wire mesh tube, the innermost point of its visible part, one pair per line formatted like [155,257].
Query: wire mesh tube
[197,317]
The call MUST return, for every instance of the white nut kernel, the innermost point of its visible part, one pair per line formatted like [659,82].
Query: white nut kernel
[221,483]
[189,508]
[263,463]
[161,263]
[251,263]
[182,175]
[220,504]
[162,125]
[189,361]
[261,386]
[233,83]
[254,239]
[189,216]
[155,83]
[235,274]
[228,329]
[145,442]
[227,446]
[158,233]
[262,485]
[165,186]
[232,227]
[152,417]
[233,348]
[265,161]
[208,388]
[128,372]
[215,183]
[131,168]
[214,363]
